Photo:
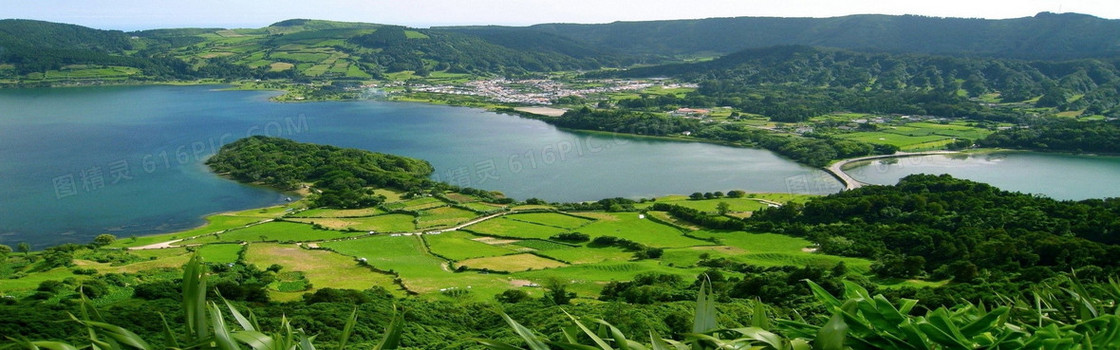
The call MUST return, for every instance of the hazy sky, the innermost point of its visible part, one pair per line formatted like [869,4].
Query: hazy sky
[147,14]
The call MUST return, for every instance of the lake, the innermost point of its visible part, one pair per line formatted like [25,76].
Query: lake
[77,162]
[1058,176]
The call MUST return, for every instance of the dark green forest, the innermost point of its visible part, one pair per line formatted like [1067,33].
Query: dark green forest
[815,150]
[342,175]
[1046,36]
[793,83]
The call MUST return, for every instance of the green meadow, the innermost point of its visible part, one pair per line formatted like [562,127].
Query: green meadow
[333,248]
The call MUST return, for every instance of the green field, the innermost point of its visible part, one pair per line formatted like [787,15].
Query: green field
[220,253]
[586,255]
[322,268]
[458,245]
[511,263]
[764,249]
[551,219]
[443,217]
[419,271]
[506,227]
[482,207]
[416,204]
[338,213]
[272,231]
[919,135]
[709,205]
[379,223]
[631,227]
[215,223]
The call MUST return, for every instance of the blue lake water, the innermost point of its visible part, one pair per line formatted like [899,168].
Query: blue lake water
[78,162]
[1058,176]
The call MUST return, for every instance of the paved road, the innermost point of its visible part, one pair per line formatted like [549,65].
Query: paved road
[837,169]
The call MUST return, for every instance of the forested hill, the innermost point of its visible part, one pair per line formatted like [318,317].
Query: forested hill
[1084,84]
[1044,36]
[341,176]
[298,49]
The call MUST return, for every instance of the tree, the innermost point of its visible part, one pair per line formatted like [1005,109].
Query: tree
[104,239]
[24,248]
[696,195]
[723,208]
[512,296]
[556,291]
[5,250]
[736,194]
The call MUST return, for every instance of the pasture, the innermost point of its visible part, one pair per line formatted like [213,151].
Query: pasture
[511,263]
[321,268]
[645,231]
[458,245]
[506,227]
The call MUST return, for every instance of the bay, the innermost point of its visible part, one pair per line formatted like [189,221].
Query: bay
[1058,176]
[77,162]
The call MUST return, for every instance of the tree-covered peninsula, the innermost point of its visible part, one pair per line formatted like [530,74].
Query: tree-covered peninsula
[342,177]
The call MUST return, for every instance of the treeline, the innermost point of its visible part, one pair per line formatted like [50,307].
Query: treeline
[819,81]
[1046,36]
[460,53]
[940,227]
[814,150]
[342,175]
[1059,135]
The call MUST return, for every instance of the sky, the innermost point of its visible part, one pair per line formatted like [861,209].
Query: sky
[149,14]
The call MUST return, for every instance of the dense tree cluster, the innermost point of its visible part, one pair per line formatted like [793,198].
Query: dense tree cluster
[938,225]
[1067,36]
[794,83]
[342,176]
[1060,135]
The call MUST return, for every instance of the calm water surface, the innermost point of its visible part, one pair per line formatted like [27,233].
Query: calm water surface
[78,162]
[1056,176]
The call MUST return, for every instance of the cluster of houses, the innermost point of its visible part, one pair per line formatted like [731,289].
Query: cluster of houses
[531,91]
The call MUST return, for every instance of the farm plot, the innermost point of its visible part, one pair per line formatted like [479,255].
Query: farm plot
[323,269]
[220,253]
[272,231]
[458,245]
[338,213]
[418,270]
[551,219]
[443,217]
[506,227]
[512,263]
[630,226]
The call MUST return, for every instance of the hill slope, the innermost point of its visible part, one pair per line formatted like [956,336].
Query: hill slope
[1044,36]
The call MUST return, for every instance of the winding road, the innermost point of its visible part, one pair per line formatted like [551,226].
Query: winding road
[850,183]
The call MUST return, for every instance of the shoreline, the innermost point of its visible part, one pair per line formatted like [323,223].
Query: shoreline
[837,169]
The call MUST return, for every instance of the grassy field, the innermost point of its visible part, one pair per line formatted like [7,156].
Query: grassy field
[272,231]
[764,249]
[379,223]
[709,205]
[322,268]
[631,227]
[219,253]
[551,219]
[416,204]
[919,135]
[587,255]
[482,207]
[511,263]
[214,224]
[507,227]
[338,213]
[443,217]
[458,245]
[419,271]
